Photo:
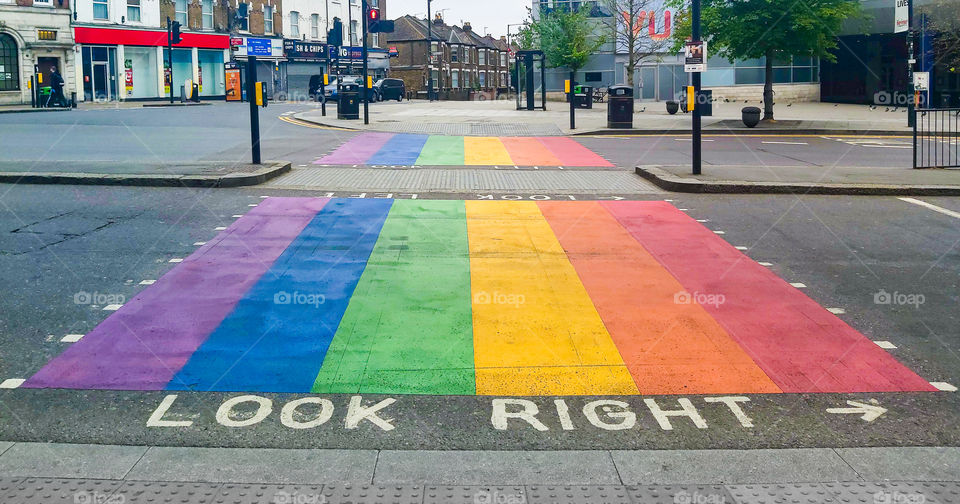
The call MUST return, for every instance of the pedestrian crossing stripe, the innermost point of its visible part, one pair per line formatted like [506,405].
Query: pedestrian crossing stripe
[500,298]
[387,149]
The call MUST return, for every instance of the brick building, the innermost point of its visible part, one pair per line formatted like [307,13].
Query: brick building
[464,64]
[34,34]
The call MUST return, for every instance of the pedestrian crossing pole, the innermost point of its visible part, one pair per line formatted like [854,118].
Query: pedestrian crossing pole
[697,124]
[366,89]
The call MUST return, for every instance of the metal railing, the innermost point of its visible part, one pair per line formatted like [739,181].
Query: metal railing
[935,138]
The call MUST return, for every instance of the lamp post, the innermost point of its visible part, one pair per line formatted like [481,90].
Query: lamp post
[695,35]
[429,52]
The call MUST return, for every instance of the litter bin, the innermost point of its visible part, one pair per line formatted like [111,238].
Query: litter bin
[45,95]
[620,106]
[583,96]
[348,106]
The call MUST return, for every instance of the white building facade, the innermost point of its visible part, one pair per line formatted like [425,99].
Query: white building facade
[35,37]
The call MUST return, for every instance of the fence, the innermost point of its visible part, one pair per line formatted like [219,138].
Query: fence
[935,138]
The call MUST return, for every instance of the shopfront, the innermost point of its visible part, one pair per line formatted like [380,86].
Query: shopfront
[304,60]
[118,64]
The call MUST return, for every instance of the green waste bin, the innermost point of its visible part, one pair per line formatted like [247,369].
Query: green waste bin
[45,95]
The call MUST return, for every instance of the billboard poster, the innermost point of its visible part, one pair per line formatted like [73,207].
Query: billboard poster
[695,56]
[128,76]
[901,16]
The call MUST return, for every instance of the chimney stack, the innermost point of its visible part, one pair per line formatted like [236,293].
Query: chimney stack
[467,27]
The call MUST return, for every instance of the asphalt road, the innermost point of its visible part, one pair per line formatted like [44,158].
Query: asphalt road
[57,242]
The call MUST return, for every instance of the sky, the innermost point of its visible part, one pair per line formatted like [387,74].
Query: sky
[492,14]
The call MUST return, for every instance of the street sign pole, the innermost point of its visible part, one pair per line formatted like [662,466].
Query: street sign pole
[170,56]
[429,53]
[911,61]
[697,161]
[254,113]
[366,89]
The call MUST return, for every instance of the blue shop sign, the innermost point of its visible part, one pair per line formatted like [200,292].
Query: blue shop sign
[259,47]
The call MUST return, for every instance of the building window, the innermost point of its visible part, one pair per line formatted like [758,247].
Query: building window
[133,10]
[503,59]
[375,39]
[483,79]
[100,10]
[455,79]
[315,26]
[354,30]
[9,67]
[482,60]
[180,7]
[243,13]
[294,24]
[455,54]
[268,19]
[206,12]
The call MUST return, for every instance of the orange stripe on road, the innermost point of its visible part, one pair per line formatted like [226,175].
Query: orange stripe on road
[529,152]
[669,347]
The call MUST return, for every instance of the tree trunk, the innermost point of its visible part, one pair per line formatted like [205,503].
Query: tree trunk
[630,69]
[768,88]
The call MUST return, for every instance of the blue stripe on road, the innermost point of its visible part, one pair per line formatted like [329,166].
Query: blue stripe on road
[400,150]
[277,336]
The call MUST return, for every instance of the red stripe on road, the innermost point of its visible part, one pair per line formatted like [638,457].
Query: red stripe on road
[571,153]
[800,345]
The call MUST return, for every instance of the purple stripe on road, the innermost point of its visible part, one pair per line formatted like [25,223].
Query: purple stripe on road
[145,343]
[358,150]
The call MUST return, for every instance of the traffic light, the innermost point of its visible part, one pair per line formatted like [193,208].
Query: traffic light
[175,33]
[373,21]
[335,35]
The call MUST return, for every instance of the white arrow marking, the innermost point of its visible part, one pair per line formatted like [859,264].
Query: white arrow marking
[870,412]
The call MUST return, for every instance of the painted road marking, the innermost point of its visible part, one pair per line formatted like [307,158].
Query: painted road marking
[931,206]
[147,282]
[720,232]
[489,297]
[71,338]
[944,386]
[837,311]
[535,329]
[392,150]
[12,383]
[765,264]
[112,307]
[220,228]
[799,285]
[869,412]
[786,143]
[741,247]
[199,244]
[885,344]
[176,260]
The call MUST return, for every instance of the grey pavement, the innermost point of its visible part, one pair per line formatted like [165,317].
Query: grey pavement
[500,118]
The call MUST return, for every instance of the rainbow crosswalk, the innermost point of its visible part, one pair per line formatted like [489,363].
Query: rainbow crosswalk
[403,149]
[477,297]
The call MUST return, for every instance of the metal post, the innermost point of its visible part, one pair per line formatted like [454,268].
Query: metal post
[573,103]
[254,113]
[697,161]
[429,51]
[326,70]
[170,56]
[366,91]
[911,57]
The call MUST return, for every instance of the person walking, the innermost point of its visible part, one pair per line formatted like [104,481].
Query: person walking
[56,89]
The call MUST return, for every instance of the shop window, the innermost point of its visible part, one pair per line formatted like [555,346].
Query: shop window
[267,19]
[180,8]
[133,10]
[100,10]
[206,12]
[9,68]
[749,75]
[315,26]
[295,24]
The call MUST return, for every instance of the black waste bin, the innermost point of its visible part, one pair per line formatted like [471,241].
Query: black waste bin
[620,106]
[348,106]
[584,96]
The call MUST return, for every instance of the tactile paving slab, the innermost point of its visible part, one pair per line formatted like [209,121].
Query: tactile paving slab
[371,494]
[551,494]
[56,491]
[679,494]
[853,493]
[232,493]
[144,492]
[474,494]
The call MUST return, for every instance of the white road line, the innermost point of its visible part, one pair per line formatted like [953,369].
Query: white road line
[12,383]
[766,264]
[148,282]
[703,220]
[720,232]
[941,386]
[787,143]
[837,311]
[798,285]
[236,216]
[112,307]
[885,344]
[221,228]
[888,146]
[199,244]
[176,260]
[71,338]
[931,206]
[252,205]
[740,247]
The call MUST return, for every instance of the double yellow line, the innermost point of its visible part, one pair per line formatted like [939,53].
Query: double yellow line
[305,124]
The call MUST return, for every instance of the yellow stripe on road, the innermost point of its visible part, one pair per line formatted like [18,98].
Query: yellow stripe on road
[485,151]
[535,329]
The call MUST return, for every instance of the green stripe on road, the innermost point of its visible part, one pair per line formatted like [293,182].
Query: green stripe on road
[409,326]
[442,151]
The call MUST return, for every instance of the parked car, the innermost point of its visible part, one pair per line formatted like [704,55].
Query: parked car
[331,91]
[390,89]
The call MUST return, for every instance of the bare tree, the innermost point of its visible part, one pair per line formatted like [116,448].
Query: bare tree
[945,22]
[634,24]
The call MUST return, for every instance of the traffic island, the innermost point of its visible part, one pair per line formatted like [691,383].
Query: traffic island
[190,175]
[850,180]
